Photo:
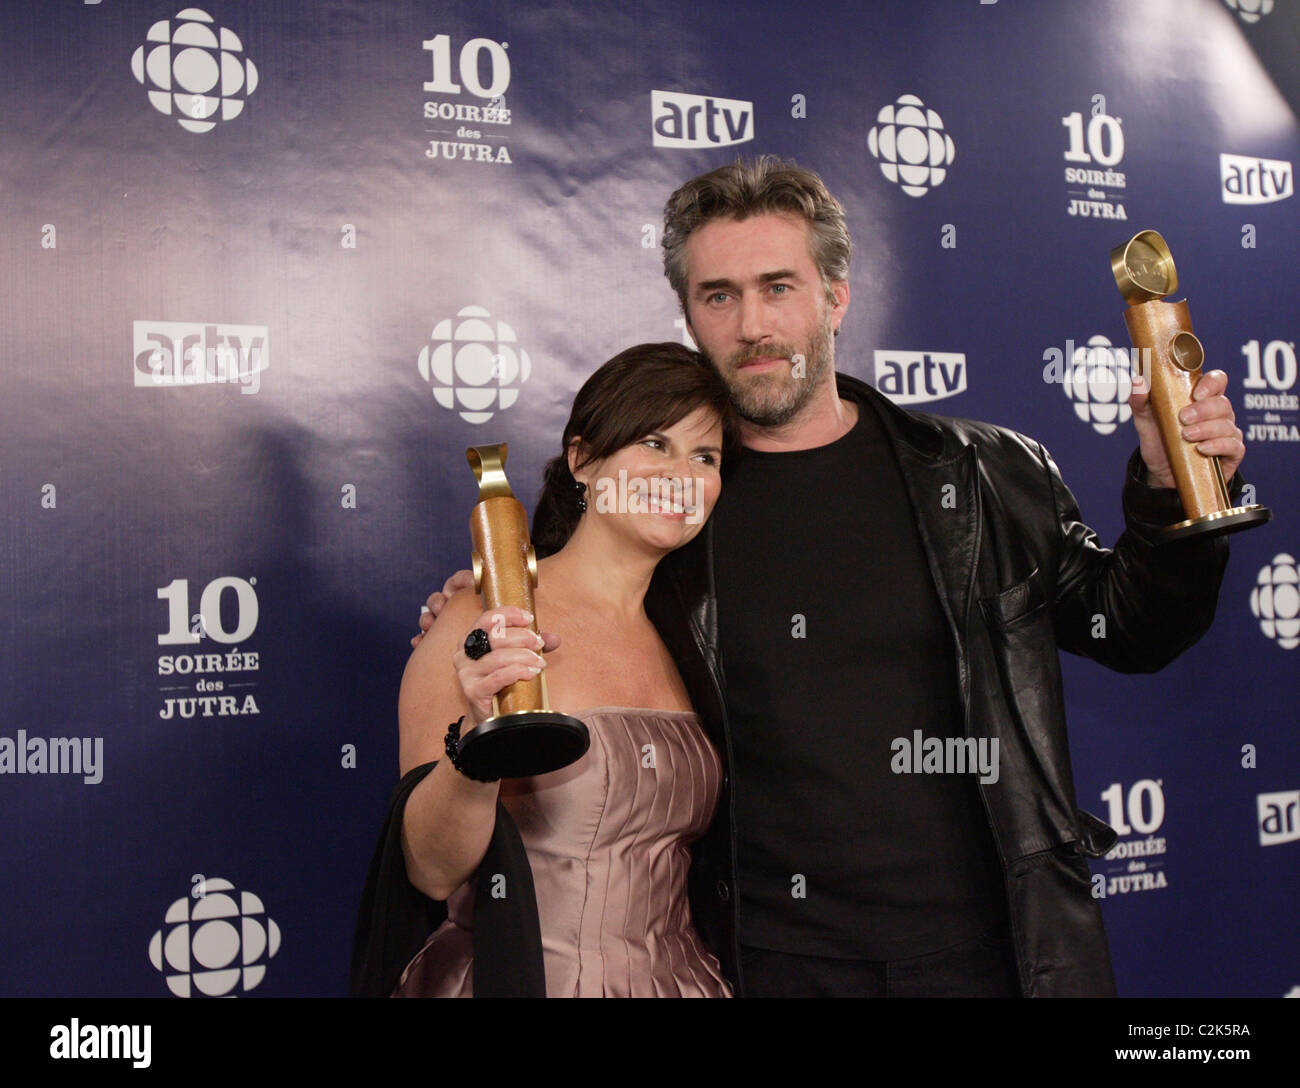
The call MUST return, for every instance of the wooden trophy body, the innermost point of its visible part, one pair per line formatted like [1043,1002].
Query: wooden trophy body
[1170,358]
[524,736]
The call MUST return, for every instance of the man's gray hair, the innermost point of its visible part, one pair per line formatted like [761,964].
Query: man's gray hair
[757,187]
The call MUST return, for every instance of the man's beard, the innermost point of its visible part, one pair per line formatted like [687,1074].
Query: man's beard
[774,398]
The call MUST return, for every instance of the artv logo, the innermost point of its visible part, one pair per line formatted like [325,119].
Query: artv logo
[911,377]
[1099,379]
[1248,180]
[1279,817]
[695,120]
[474,364]
[1250,11]
[911,146]
[171,353]
[194,68]
[1275,601]
[219,946]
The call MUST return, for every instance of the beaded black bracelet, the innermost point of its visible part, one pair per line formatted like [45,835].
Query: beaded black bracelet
[452,744]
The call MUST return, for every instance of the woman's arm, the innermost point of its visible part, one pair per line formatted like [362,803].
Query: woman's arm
[449,818]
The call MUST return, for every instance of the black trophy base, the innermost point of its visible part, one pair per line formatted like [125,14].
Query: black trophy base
[1221,523]
[523,744]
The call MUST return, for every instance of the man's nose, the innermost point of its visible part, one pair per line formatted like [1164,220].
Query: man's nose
[753,318]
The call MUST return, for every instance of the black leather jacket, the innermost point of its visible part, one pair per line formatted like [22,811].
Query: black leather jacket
[1019,577]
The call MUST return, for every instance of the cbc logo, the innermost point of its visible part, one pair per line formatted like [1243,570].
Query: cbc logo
[1099,380]
[1275,600]
[195,70]
[474,364]
[1251,11]
[911,146]
[218,946]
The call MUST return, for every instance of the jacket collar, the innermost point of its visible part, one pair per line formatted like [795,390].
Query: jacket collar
[921,434]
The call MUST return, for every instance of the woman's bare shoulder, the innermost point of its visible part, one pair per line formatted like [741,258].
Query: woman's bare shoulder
[451,625]
[429,670]
[430,695]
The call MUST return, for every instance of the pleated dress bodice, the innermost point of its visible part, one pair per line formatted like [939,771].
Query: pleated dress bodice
[608,841]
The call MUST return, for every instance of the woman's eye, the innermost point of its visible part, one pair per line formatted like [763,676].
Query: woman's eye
[653,443]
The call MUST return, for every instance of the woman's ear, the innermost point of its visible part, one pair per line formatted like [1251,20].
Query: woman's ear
[575,447]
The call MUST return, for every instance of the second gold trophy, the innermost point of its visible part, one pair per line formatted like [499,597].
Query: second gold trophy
[1169,357]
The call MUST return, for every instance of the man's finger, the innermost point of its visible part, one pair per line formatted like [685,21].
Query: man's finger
[1210,384]
[462,579]
[1138,397]
[1219,407]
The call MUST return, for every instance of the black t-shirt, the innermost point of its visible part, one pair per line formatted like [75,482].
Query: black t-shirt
[834,643]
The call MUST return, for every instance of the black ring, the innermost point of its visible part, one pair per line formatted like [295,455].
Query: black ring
[477,644]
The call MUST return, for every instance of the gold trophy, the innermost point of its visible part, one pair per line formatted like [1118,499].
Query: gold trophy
[1170,358]
[524,736]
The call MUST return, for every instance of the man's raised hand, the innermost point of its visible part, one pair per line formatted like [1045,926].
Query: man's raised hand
[1208,421]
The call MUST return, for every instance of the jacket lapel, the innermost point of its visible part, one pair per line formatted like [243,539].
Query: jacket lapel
[683,606]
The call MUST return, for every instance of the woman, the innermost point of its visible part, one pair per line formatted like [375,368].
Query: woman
[607,838]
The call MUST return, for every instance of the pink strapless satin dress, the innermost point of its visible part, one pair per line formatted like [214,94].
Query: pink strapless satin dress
[608,841]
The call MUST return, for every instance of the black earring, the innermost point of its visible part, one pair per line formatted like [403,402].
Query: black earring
[581,488]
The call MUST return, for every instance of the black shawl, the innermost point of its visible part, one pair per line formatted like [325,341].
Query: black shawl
[396,918]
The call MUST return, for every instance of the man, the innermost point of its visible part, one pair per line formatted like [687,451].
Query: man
[873,579]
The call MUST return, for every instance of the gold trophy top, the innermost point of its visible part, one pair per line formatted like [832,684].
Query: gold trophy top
[489,465]
[1144,268]
[507,519]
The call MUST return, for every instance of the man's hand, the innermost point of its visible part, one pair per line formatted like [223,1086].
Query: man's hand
[1208,421]
[462,579]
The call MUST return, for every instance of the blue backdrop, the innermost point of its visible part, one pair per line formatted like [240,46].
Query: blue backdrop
[268,268]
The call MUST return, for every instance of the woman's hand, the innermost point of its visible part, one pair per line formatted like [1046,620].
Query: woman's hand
[516,654]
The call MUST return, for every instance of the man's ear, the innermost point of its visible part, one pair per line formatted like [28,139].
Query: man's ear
[686,317]
[840,289]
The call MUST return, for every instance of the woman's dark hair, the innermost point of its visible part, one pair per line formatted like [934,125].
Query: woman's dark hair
[643,389]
